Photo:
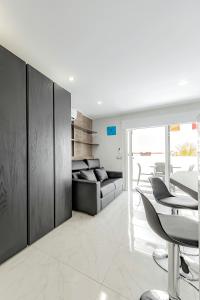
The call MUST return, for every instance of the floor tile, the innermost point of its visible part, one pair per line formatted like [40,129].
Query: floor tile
[32,275]
[105,257]
[132,272]
[107,294]
[86,252]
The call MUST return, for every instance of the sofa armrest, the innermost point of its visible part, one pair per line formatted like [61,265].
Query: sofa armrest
[115,174]
[86,196]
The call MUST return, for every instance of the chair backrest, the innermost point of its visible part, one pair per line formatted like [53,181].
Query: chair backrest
[191,167]
[160,167]
[152,217]
[139,172]
[160,191]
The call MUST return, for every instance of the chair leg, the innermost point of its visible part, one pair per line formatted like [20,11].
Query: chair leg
[173,271]
[160,256]
[173,278]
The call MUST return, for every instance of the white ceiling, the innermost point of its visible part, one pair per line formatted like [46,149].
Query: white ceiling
[130,54]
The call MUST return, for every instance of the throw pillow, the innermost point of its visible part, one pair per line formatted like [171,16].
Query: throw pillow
[88,175]
[101,174]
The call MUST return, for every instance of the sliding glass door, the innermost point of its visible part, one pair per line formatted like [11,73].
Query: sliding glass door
[148,155]
[168,152]
[183,157]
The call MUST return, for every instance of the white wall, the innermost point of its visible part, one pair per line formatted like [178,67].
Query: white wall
[108,145]
[107,150]
[162,116]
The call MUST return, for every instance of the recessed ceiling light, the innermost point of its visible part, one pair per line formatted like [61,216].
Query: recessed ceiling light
[71,78]
[99,102]
[182,82]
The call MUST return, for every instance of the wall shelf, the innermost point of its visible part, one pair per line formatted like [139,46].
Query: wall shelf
[82,142]
[82,137]
[89,131]
[81,157]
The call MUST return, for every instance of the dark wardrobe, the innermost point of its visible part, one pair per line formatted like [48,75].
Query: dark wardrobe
[40,154]
[13,155]
[35,155]
[49,154]
[62,134]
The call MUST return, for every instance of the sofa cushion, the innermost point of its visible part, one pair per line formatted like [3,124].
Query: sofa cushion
[118,182]
[107,199]
[79,165]
[93,163]
[75,175]
[107,187]
[101,174]
[88,175]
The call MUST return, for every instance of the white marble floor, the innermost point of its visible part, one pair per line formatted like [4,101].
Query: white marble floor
[106,257]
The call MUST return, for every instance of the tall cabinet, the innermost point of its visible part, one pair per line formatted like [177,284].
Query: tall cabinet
[49,154]
[62,142]
[13,157]
[35,155]
[40,154]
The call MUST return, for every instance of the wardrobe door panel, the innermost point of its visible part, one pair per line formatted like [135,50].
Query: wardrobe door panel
[62,142]
[13,160]
[40,154]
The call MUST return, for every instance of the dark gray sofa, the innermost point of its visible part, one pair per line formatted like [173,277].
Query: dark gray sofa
[91,196]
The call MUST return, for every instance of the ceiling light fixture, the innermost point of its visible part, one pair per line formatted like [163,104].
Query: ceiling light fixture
[182,82]
[71,78]
[99,102]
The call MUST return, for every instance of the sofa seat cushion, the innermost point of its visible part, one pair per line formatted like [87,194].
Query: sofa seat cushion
[118,182]
[107,187]
[107,199]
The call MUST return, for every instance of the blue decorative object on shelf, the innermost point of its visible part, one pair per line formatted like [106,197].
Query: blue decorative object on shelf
[111,130]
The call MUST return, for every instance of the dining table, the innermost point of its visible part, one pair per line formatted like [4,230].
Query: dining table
[187,181]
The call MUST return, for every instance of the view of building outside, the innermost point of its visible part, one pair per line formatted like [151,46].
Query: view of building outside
[183,146]
[148,149]
[148,152]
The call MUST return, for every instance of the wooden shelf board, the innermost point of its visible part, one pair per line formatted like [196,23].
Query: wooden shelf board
[82,142]
[81,157]
[89,131]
